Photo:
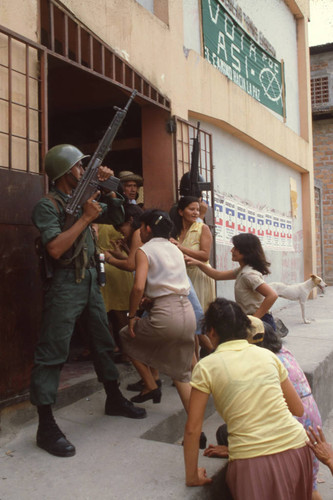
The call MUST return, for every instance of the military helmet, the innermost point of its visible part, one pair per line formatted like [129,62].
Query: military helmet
[60,159]
[184,187]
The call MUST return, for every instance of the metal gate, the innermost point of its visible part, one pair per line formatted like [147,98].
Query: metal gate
[183,138]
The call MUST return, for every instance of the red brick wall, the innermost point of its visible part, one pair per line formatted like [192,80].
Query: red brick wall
[323,171]
[318,195]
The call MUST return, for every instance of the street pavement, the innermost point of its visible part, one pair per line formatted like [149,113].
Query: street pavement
[119,458]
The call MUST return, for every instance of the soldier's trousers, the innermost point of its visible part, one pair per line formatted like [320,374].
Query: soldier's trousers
[64,302]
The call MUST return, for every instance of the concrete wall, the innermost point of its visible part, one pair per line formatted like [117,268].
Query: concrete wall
[321,64]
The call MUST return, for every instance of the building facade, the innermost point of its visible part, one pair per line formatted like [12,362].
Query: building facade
[322,113]
[240,68]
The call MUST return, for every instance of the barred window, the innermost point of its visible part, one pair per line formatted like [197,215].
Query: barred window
[319,91]
[20,105]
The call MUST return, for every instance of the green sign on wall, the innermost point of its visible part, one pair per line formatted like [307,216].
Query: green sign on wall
[235,54]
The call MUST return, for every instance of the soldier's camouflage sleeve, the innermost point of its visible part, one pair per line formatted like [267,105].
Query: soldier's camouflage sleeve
[47,220]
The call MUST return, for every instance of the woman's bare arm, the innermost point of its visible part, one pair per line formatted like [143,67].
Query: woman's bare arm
[270,297]
[127,264]
[210,271]
[203,253]
[293,400]
[194,476]
[141,272]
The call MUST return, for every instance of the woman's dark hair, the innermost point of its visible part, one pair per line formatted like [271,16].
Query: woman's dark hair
[132,213]
[271,340]
[250,247]
[176,217]
[227,319]
[159,223]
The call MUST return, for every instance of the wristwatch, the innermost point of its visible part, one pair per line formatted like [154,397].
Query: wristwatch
[130,317]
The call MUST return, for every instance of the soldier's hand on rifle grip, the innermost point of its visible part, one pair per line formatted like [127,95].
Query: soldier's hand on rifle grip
[92,209]
[104,173]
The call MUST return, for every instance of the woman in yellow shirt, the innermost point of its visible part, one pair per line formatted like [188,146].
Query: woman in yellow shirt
[268,456]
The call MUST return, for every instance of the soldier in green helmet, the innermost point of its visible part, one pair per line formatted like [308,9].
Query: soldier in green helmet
[72,292]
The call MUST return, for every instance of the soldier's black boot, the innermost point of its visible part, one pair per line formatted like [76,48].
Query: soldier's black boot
[117,405]
[49,436]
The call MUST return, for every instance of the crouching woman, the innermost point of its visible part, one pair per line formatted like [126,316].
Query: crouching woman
[268,456]
[163,339]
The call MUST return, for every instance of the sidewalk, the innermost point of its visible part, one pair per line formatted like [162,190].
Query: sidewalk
[119,458]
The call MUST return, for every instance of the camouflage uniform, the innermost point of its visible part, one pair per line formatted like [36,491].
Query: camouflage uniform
[73,291]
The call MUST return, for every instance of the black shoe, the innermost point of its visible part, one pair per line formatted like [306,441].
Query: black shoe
[222,435]
[202,441]
[140,385]
[51,439]
[155,395]
[136,386]
[120,406]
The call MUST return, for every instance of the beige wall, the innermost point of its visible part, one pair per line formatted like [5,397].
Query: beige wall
[299,8]
[20,16]
[155,49]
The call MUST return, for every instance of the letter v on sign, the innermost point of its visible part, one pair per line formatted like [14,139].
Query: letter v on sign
[213,18]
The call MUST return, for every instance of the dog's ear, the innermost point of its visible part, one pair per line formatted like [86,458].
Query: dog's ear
[313,276]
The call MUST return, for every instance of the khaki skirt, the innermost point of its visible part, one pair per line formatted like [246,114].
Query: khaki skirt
[164,339]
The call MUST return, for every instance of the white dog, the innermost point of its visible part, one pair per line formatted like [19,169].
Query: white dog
[300,291]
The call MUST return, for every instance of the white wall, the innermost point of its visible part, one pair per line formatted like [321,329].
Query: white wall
[276,22]
[251,177]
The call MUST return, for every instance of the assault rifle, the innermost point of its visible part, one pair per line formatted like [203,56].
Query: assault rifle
[89,183]
[196,186]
